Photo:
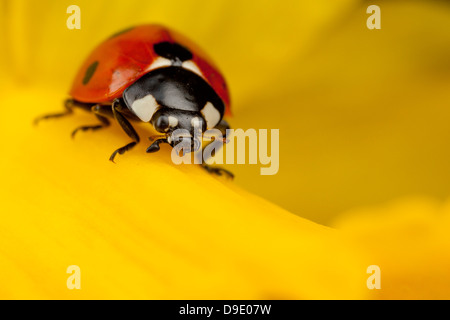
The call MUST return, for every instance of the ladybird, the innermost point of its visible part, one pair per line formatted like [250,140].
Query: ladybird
[152,74]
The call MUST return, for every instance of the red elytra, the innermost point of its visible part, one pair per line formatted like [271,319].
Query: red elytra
[127,56]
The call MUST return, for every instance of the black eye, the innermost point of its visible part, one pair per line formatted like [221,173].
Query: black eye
[162,124]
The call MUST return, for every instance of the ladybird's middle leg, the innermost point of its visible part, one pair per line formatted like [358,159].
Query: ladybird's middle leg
[100,111]
[126,126]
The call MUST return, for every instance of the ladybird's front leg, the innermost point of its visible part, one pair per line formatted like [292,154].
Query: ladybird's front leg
[117,109]
[218,171]
[155,145]
[222,126]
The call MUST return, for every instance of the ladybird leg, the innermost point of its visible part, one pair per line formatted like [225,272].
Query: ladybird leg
[68,105]
[222,126]
[126,126]
[155,145]
[217,171]
[104,122]
[103,110]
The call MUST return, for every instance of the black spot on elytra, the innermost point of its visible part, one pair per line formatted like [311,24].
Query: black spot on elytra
[121,32]
[90,72]
[172,51]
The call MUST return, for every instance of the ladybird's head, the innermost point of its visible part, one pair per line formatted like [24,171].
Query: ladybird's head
[181,128]
[179,103]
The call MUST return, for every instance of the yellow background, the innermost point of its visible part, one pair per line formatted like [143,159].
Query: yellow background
[363,148]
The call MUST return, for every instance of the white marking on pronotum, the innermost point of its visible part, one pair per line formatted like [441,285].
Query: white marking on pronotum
[160,62]
[173,122]
[211,115]
[190,65]
[145,107]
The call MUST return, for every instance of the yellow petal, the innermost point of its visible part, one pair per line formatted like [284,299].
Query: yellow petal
[409,240]
[146,228]
[363,115]
[350,106]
